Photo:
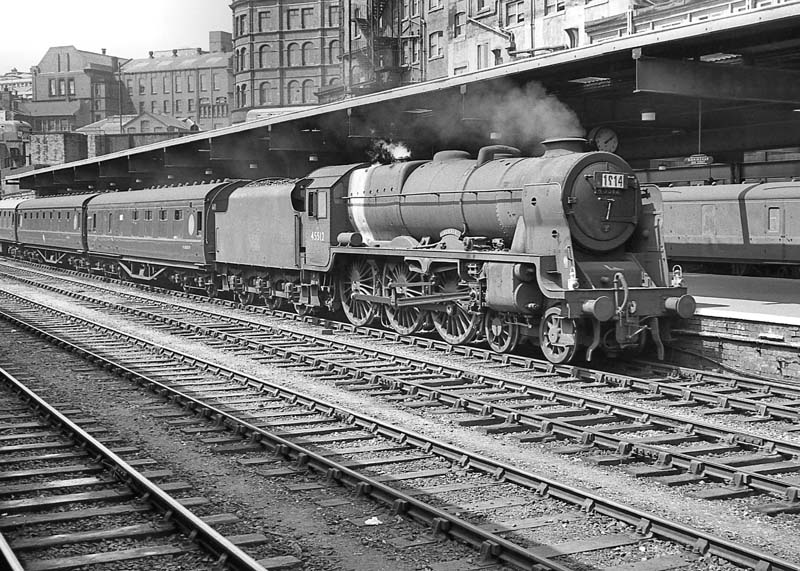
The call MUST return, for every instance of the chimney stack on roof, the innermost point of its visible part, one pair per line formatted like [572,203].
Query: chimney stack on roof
[151,54]
[103,50]
[174,53]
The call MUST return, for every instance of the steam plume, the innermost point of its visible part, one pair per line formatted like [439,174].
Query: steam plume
[383,151]
[530,115]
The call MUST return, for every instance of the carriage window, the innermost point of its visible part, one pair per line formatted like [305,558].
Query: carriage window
[774,219]
[178,215]
[135,215]
[94,222]
[51,215]
[110,217]
[162,215]
[67,215]
[199,222]
[59,216]
[148,214]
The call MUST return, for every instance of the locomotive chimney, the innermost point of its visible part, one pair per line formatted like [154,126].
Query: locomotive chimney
[563,145]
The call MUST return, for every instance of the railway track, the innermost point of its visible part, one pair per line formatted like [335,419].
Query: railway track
[722,461]
[68,500]
[309,438]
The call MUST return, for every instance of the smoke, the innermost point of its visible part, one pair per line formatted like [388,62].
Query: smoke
[385,152]
[529,115]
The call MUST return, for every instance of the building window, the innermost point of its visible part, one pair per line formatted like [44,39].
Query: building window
[333,52]
[153,90]
[264,21]
[483,56]
[203,82]
[190,105]
[306,17]
[141,87]
[190,83]
[215,82]
[414,8]
[415,43]
[515,13]
[265,94]
[165,107]
[144,126]
[71,86]
[62,87]
[141,107]
[458,24]
[292,55]
[434,5]
[165,83]
[305,54]
[292,18]
[178,106]
[130,86]
[154,106]
[483,5]
[241,24]
[553,6]
[293,93]
[178,85]
[263,56]
[53,88]
[333,16]
[308,91]
[435,41]
[241,96]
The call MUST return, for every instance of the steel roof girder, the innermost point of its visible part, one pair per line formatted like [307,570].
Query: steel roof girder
[717,81]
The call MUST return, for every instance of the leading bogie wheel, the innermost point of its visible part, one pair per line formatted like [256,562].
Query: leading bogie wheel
[558,336]
[359,278]
[501,334]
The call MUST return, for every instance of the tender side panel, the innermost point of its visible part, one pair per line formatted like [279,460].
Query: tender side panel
[260,227]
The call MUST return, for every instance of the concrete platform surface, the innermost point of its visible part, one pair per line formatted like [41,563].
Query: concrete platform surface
[769,300]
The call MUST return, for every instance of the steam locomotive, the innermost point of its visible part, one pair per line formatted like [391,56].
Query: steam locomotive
[565,249]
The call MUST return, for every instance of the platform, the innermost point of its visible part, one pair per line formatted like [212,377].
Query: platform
[746,298]
[749,324]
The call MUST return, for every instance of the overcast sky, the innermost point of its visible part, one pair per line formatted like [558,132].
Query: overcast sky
[125,28]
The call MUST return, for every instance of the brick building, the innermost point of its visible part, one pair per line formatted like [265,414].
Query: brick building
[72,88]
[284,52]
[184,84]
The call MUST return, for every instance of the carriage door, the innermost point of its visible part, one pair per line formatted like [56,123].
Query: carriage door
[316,227]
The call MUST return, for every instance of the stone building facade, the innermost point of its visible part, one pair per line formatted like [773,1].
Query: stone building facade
[184,84]
[72,88]
[285,52]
